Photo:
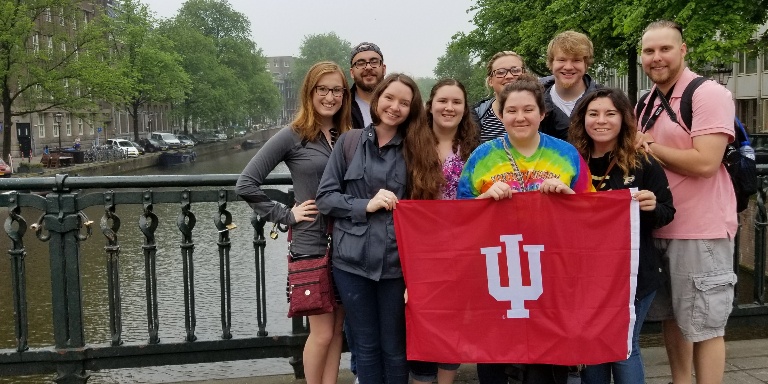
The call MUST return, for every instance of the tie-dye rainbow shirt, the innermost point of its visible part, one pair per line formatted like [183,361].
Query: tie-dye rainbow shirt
[554,159]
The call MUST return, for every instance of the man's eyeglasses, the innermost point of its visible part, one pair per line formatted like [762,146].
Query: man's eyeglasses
[501,72]
[322,90]
[360,64]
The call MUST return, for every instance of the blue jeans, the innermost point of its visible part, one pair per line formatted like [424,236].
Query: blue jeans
[351,345]
[376,317]
[631,370]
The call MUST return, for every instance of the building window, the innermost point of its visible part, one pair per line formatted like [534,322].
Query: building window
[765,62]
[85,17]
[50,45]
[40,125]
[277,65]
[80,126]
[61,16]
[747,63]
[36,42]
[56,128]
[285,63]
[69,125]
[746,110]
[48,15]
[90,124]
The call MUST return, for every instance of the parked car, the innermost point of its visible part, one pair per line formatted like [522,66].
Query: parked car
[205,137]
[125,146]
[138,147]
[186,140]
[5,169]
[152,145]
[169,139]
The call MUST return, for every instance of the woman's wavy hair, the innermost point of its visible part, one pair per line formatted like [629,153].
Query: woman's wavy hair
[307,122]
[415,116]
[425,173]
[627,156]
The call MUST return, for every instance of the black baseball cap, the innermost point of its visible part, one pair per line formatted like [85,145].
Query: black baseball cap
[362,47]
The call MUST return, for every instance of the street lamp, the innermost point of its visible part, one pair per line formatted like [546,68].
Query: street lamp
[57,117]
[722,74]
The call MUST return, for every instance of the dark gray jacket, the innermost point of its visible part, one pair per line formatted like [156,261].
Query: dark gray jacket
[363,243]
[556,122]
[306,161]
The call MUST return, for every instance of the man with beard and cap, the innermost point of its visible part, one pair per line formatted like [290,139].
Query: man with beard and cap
[367,69]
[569,56]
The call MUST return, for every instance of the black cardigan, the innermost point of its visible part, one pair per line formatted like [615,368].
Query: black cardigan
[649,176]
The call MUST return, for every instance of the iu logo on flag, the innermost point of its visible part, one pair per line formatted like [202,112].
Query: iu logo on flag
[516,293]
[532,279]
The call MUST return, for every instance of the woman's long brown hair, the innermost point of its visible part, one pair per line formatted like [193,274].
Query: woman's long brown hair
[425,172]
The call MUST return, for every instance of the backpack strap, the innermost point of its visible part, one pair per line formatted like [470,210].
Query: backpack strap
[641,104]
[350,143]
[686,101]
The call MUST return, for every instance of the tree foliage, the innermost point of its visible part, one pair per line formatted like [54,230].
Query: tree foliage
[457,63]
[615,27]
[231,84]
[45,65]
[320,47]
[146,59]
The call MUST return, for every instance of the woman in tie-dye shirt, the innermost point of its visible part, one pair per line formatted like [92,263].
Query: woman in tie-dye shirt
[523,159]
[520,161]
[436,154]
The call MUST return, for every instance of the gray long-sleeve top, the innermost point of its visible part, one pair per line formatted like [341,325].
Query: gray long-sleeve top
[306,162]
[363,243]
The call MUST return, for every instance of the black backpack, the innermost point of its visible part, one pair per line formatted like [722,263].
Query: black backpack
[741,167]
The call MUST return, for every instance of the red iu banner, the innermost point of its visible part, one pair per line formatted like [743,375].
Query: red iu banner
[537,278]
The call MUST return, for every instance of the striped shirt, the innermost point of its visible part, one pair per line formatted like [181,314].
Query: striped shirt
[490,126]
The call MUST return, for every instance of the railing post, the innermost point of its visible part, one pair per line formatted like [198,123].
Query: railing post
[761,220]
[223,222]
[110,225]
[18,274]
[186,223]
[63,223]
[148,224]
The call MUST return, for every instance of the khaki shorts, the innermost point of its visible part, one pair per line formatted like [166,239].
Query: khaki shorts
[698,293]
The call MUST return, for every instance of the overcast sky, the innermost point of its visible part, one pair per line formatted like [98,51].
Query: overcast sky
[412,34]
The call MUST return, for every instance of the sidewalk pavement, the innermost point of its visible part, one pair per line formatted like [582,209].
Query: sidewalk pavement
[746,363]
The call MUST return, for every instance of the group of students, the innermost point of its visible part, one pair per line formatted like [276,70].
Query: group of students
[562,134]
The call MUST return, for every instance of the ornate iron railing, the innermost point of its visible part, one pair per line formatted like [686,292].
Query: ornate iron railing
[64,226]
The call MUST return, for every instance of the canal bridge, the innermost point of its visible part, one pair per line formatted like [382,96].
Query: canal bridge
[52,210]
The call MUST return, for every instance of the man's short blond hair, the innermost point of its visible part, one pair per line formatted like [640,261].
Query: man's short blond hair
[571,43]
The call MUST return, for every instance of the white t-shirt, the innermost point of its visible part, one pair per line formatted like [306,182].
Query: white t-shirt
[565,106]
[365,109]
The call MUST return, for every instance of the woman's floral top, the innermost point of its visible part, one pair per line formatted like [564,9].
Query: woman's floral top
[452,170]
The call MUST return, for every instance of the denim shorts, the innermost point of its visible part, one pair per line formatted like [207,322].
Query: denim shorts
[698,293]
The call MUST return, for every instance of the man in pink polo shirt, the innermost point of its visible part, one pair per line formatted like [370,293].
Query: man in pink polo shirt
[697,246]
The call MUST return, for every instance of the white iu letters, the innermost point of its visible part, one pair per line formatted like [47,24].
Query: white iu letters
[516,293]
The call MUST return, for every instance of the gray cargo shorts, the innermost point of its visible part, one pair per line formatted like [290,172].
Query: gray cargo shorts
[698,293]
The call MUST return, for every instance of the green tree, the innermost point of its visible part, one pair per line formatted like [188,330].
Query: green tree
[425,86]
[320,47]
[235,84]
[457,63]
[615,28]
[146,59]
[50,58]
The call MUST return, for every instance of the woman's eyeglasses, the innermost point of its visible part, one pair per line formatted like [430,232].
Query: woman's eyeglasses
[322,90]
[501,72]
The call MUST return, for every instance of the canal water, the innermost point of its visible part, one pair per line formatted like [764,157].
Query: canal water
[170,284]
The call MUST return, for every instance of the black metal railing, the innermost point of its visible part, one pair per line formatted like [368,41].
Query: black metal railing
[64,226]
